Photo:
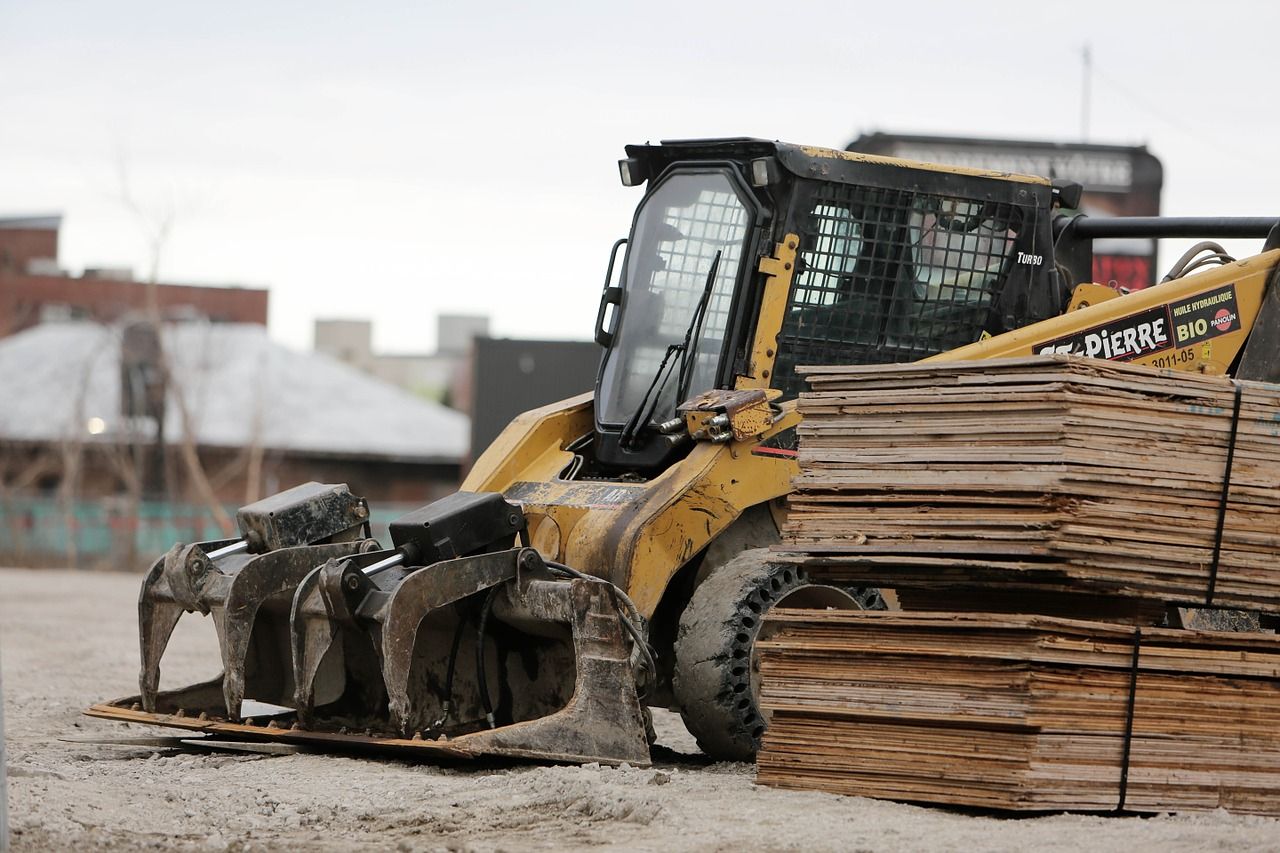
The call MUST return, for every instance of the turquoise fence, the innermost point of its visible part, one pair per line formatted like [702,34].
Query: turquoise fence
[114,533]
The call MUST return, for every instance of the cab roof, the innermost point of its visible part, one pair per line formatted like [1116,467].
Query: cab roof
[814,162]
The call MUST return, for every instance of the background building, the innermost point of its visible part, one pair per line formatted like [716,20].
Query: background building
[513,376]
[143,414]
[119,444]
[432,375]
[1118,180]
[34,288]
[490,379]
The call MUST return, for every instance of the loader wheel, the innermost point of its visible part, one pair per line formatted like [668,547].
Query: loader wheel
[716,679]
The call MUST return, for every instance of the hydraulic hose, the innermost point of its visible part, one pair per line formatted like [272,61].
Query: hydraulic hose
[481,680]
[627,611]
[446,709]
[1183,265]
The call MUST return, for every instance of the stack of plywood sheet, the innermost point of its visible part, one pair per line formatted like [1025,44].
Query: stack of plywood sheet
[1054,474]
[1021,712]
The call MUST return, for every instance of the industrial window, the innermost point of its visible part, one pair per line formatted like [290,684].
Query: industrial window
[891,276]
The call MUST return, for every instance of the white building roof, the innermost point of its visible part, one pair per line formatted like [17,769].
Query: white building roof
[240,389]
[49,222]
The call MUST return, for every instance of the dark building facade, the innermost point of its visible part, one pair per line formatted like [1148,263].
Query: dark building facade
[513,376]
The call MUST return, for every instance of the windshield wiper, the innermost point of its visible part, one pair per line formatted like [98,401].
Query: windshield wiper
[693,334]
[686,348]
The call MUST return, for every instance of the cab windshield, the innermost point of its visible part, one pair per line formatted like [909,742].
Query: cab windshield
[688,222]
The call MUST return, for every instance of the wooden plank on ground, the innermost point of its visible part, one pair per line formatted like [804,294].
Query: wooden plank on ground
[1024,713]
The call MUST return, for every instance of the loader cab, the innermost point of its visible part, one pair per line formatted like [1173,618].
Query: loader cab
[894,261]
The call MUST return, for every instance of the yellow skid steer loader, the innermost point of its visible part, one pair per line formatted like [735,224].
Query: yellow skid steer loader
[610,552]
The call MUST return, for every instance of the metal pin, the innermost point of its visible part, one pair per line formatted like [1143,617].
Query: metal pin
[382,565]
[228,550]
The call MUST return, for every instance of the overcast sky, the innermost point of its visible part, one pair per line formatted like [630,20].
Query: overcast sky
[392,161]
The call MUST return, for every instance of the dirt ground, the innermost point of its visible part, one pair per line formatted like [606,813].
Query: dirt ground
[68,639]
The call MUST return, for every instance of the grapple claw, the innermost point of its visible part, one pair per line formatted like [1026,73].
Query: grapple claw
[254,624]
[247,586]
[311,636]
[602,719]
[335,660]
[406,611]
[169,589]
[488,650]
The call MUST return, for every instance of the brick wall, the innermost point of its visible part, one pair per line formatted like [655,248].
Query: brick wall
[20,245]
[23,297]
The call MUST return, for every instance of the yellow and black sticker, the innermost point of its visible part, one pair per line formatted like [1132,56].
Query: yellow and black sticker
[1205,316]
[1159,328]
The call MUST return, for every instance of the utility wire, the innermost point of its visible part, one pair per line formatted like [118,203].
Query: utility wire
[1192,131]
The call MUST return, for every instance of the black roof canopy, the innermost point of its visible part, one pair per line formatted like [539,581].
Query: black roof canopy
[827,164]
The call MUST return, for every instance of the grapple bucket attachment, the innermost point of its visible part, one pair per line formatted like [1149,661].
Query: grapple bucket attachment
[453,643]
[247,586]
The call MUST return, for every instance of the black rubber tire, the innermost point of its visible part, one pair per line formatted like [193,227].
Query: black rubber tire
[712,680]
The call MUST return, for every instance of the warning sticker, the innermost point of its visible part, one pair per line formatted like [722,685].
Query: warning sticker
[1205,316]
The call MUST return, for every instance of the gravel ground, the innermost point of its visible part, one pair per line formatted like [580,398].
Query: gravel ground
[68,639]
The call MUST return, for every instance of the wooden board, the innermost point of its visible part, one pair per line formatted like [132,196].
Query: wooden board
[1025,713]
[1054,473]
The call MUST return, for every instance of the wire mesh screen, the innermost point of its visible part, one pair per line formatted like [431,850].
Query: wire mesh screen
[716,222]
[891,276]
